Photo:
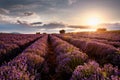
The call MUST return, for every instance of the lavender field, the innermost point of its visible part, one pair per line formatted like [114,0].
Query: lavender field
[70,56]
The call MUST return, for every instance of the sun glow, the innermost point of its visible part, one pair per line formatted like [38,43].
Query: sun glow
[94,21]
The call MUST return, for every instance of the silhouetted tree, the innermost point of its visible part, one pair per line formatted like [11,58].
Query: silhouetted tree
[37,32]
[44,33]
[62,31]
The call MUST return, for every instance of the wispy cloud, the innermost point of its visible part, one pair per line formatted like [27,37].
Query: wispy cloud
[4,11]
[7,19]
[26,18]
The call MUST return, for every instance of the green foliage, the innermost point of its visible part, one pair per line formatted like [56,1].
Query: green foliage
[74,62]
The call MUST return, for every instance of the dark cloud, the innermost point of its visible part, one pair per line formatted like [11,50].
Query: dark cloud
[62,25]
[56,25]
[43,5]
[28,13]
[21,22]
[36,23]
[40,5]
[52,26]
[24,23]
[77,26]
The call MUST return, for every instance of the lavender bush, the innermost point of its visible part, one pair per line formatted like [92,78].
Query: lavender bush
[68,57]
[92,71]
[25,66]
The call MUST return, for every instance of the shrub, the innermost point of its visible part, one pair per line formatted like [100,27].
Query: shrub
[62,31]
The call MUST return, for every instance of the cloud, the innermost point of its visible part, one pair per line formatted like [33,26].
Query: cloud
[71,1]
[22,7]
[28,13]
[36,23]
[77,26]
[46,8]
[33,5]
[111,26]
[58,26]
[23,19]
[31,18]
[7,19]
[4,11]
[53,25]
[24,23]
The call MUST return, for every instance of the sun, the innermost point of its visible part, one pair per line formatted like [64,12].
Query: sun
[93,21]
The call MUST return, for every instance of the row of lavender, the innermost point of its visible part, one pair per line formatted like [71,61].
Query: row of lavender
[108,35]
[112,43]
[111,39]
[26,66]
[12,44]
[115,44]
[76,65]
[101,52]
[68,57]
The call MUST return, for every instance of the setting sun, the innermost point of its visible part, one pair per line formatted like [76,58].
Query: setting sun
[94,21]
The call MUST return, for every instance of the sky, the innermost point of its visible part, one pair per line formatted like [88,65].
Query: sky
[30,16]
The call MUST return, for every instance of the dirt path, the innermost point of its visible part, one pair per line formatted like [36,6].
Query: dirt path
[50,64]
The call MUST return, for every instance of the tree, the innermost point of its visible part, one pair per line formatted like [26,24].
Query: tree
[37,32]
[62,31]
